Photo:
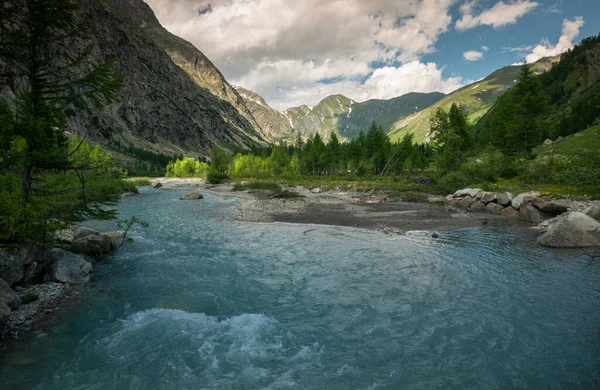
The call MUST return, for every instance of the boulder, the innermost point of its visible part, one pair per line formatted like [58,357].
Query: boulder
[525,197]
[478,207]
[510,212]
[571,230]
[528,212]
[589,208]
[116,238]
[157,185]
[495,208]
[67,267]
[192,196]
[557,206]
[80,239]
[472,192]
[34,273]
[453,203]
[503,198]
[4,313]
[11,270]
[31,253]
[8,296]
[548,142]
[316,190]
[467,201]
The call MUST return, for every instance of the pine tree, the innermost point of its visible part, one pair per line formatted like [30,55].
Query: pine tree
[46,51]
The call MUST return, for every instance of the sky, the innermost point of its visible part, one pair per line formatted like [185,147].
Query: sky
[294,52]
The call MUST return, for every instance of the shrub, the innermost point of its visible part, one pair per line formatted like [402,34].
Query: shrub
[28,298]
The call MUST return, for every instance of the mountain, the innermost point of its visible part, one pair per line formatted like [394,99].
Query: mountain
[347,117]
[385,112]
[274,125]
[476,99]
[322,118]
[175,100]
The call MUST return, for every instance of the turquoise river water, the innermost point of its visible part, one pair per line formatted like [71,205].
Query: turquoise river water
[200,301]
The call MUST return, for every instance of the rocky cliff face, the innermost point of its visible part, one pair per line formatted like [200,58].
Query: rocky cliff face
[175,100]
[274,125]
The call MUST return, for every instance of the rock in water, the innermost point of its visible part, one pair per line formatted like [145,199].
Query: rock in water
[11,269]
[478,207]
[192,196]
[67,267]
[157,185]
[495,208]
[571,230]
[510,212]
[8,296]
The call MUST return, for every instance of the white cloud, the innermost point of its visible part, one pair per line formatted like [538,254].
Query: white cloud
[499,15]
[294,83]
[485,48]
[281,49]
[570,31]
[473,55]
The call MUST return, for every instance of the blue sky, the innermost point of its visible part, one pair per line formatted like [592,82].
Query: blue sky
[295,52]
[528,31]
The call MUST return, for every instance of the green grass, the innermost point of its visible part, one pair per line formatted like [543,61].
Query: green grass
[572,145]
[275,188]
[400,187]
[131,184]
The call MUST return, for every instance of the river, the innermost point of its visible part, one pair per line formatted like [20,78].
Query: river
[200,301]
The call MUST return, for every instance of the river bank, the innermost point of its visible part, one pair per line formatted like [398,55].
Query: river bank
[371,210]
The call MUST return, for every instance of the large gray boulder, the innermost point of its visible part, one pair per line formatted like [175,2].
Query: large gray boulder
[571,230]
[510,212]
[528,212]
[557,206]
[67,267]
[589,208]
[495,208]
[472,192]
[8,296]
[525,197]
[11,269]
[502,198]
[192,196]
[466,202]
[84,240]
[478,207]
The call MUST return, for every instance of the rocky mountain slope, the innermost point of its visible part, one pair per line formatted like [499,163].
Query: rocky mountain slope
[347,117]
[322,118]
[274,125]
[175,100]
[476,98]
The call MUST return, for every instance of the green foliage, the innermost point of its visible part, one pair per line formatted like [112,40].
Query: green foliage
[28,298]
[275,188]
[48,180]
[452,137]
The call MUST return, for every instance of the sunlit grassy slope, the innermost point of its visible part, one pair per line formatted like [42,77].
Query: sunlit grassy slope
[476,99]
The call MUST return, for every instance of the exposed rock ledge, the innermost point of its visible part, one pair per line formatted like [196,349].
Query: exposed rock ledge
[58,270]
[564,223]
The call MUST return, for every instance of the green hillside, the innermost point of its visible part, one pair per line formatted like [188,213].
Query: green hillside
[476,99]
